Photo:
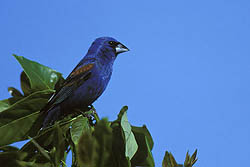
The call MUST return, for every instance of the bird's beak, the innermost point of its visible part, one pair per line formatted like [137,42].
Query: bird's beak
[120,48]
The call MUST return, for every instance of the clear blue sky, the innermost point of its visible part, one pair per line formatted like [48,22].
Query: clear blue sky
[187,76]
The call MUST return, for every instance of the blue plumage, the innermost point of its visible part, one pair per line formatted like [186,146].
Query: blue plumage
[86,82]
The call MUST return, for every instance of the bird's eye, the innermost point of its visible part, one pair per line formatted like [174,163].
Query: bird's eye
[111,42]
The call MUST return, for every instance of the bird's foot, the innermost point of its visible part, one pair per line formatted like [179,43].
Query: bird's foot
[91,114]
[94,113]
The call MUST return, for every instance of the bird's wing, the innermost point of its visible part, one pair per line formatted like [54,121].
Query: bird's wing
[79,75]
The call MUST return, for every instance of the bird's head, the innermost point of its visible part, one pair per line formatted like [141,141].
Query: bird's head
[107,47]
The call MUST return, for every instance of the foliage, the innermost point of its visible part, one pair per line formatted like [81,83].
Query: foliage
[169,160]
[112,144]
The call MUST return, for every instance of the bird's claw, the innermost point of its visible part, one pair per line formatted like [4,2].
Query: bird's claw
[91,114]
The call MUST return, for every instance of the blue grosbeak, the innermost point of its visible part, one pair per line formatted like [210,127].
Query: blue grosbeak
[86,82]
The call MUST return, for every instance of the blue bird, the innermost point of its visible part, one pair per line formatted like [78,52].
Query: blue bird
[86,82]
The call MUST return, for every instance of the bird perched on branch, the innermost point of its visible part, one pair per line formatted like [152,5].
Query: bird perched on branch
[86,82]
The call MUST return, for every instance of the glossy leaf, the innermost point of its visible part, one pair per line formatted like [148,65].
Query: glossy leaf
[8,149]
[143,156]
[130,142]
[103,135]
[14,92]
[79,125]
[24,106]
[9,159]
[190,161]
[17,130]
[193,158]
[94,149]
[169,160]
[32,164]
[5,104]
[40,76]
[44,139]
[144,131]
[118,158]
[59,145]
[25,84]
[42,150]
[87,150]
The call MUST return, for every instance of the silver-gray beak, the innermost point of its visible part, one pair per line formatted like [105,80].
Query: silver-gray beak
[120,48]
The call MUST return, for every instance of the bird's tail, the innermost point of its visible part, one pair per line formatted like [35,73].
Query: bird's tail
[50,116]
[45,119]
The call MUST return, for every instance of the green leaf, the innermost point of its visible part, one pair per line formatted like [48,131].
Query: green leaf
[4,104]
[87,150]
[33,164]
[122,141]
[193,158]
[79,125]
[169,160]
[23,107]
[118,158]
[143,156]
[14,92]
[11,158]
[122,111]
[17,129]
[144,131]
[44,139]
[8,149]
[51,141]
[190,161]
[103,135]
[59,145]
[130,142]
[94,150]
[40,76]
[25,84]
[42,150]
